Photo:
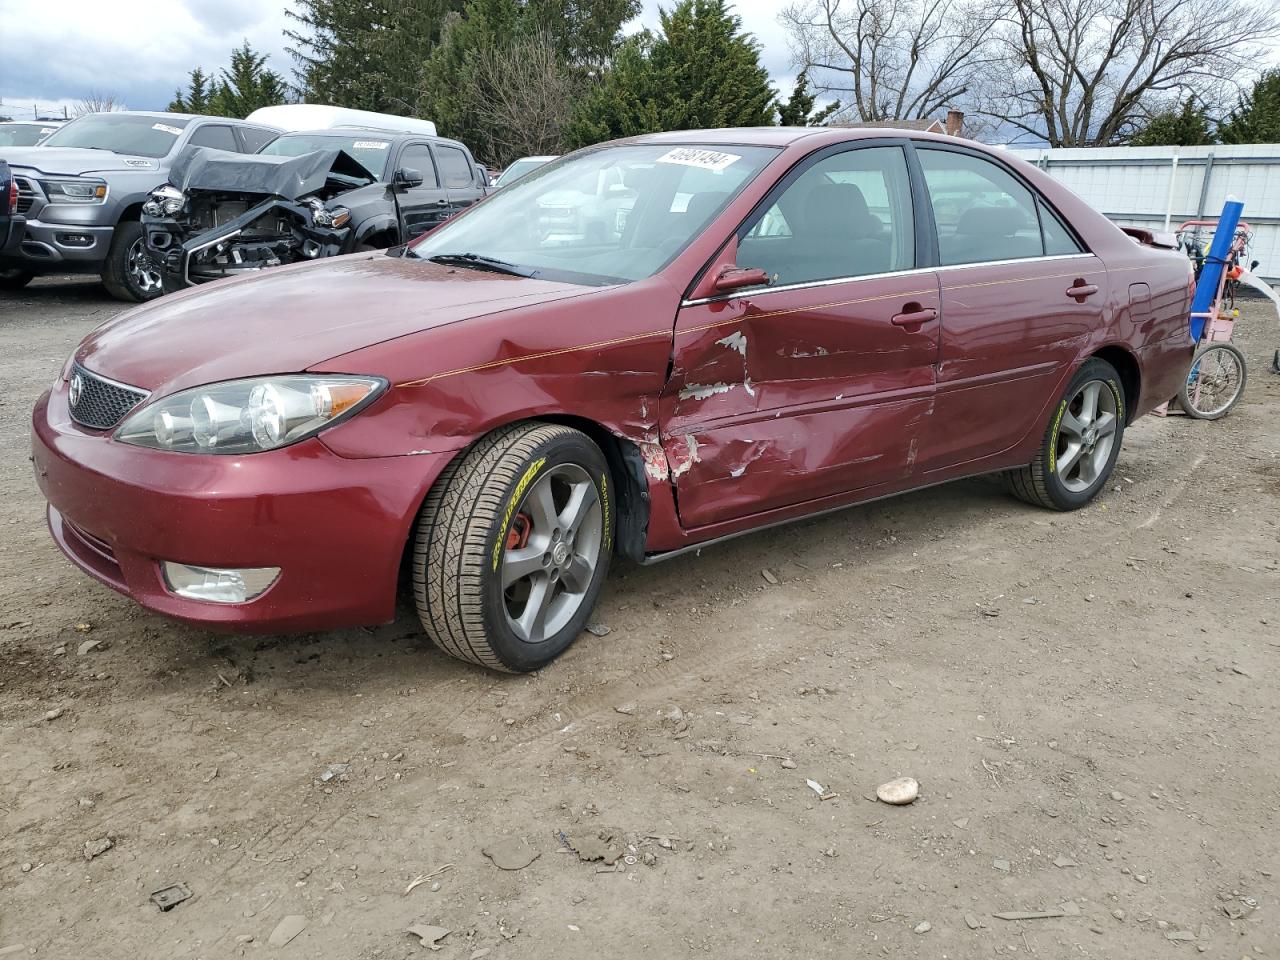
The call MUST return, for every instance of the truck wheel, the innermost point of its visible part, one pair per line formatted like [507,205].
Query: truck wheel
[15,278]
[1081,444]
[129,273]
[513,546]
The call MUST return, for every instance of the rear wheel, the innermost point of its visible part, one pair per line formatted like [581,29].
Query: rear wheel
[513,546]
[1215,383]
[1080,445]
[129,273]
[15,278]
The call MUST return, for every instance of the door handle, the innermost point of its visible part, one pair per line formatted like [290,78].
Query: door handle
[442,203]
[1079,290]
[913,315]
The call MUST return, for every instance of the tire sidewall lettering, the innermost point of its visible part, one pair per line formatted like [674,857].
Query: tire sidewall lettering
[517,497]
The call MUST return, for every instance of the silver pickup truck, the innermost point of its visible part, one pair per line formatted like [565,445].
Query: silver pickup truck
[82,189]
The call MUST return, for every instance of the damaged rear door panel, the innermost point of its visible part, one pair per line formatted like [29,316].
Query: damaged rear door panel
[823,382]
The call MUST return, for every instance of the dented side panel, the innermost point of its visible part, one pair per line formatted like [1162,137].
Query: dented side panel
[778,397]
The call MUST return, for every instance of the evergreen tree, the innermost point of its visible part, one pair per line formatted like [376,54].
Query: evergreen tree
[247,85]
[366,54]
[1187,126]
[1257,117]
[798,110]
[196,98]
[700,70]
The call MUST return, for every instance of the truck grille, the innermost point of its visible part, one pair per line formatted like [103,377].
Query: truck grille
[100,403]
[26,194]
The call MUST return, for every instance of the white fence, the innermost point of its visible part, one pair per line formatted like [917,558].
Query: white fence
[1152,186]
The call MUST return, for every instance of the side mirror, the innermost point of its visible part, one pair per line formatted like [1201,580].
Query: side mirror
[735,278]
[408,177]
[1253,266]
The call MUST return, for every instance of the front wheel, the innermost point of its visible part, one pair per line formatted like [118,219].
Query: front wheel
[130,274]
[1215,383]
[1080,445]
[513,546]
[15,278]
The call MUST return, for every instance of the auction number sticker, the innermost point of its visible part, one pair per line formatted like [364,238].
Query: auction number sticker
[371,145]
[176,131]
[712,160]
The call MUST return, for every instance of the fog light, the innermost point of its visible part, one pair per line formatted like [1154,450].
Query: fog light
[75,239]
[218,585]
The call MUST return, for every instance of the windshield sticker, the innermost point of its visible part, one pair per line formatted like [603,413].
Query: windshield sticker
[48,129]
[164,127]
[712,160]
[370,145]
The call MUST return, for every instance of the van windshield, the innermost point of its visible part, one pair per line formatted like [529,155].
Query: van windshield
[604,215]
[369,148]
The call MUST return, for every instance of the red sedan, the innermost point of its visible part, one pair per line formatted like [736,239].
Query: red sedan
[640,348]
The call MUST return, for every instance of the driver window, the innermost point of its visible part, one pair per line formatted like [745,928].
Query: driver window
[848,215]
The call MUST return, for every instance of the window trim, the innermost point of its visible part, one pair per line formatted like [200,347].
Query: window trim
[431,155]
[471,181]
[1037,197]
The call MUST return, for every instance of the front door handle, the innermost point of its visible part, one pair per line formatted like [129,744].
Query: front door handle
[442,203]
[1079,290]
[913,315]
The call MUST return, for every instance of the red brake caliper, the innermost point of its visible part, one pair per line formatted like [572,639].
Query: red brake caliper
[518,535]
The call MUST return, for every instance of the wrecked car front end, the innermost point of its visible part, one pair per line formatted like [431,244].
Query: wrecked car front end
[225,214]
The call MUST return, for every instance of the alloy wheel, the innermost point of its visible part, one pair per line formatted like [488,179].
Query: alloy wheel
[144,274]
[551,553]
[1086,435]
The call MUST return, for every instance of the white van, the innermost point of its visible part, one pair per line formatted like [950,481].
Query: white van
[295,117]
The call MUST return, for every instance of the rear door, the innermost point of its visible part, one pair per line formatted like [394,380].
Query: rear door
[424,207]
[1020,297]
[458,177]
[822,382]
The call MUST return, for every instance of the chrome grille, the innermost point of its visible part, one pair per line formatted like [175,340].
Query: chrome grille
[98,402]
[26,194]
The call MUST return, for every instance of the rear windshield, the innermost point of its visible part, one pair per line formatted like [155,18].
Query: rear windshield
[518,170]
[371,150]
[23,134]
[121,133]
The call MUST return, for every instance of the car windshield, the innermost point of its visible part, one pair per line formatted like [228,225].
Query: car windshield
[23,134]
[518,170]
[369,148]
[121,133]
[603,215]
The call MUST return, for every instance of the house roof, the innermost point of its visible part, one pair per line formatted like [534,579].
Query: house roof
[924,125]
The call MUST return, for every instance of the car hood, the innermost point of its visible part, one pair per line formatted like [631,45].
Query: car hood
[74,161]
[288,319]
[202,168]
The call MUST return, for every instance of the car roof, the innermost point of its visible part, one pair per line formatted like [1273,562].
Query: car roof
[167,115]
[368,134]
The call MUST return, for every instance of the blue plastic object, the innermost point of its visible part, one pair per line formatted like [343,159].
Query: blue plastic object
[1211,272]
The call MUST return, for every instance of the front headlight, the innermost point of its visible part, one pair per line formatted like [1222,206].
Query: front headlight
[75,191]
[248,416]
[166,200]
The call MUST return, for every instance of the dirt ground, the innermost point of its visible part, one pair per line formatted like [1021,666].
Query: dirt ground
[1090,702]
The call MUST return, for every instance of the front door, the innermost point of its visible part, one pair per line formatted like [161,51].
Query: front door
[822,382]
[1020,297]
[426,206]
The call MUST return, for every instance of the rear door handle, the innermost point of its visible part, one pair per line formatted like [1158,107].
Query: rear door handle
[1079,290]
[913,316]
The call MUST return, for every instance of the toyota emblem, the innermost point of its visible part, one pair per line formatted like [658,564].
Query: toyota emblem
[77,386]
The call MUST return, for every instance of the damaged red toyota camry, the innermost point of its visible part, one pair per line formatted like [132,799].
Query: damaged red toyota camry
[643,347]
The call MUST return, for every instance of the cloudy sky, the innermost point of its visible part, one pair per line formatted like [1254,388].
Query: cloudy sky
[140,51]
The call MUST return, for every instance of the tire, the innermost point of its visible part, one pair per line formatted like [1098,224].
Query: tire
[129,273]
[15,278]
[1227,364]
[486,519]
[1074,463]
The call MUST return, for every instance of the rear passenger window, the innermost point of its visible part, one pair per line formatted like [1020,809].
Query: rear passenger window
[1058,241]
[255,138]
[454,169]
[214,135]
[982,212]
[848,215]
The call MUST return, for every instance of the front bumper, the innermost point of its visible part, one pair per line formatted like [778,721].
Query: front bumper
[336,527]
[61,246]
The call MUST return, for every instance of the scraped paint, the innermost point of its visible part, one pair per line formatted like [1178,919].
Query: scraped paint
[704,391]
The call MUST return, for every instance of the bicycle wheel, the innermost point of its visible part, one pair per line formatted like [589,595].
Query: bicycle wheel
[1215,383]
